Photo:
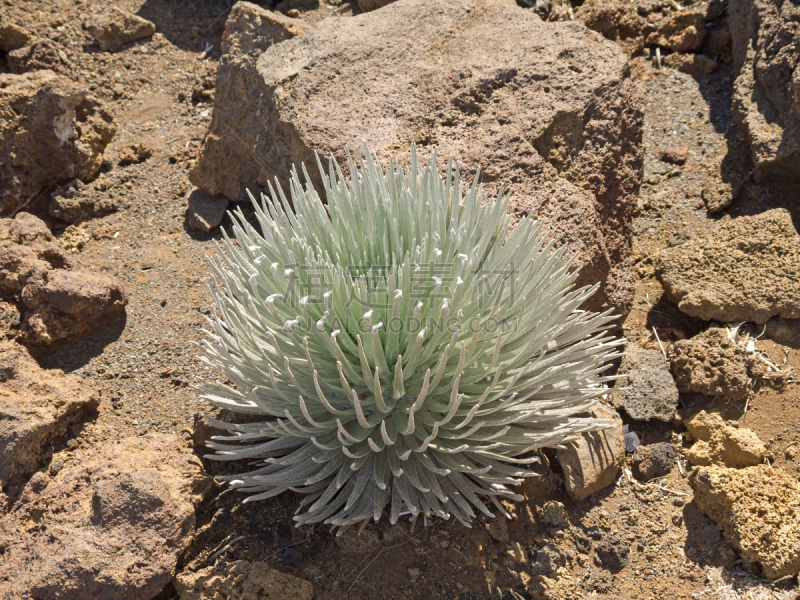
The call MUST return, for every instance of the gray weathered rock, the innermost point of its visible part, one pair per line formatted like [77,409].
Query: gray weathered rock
[118,516]
[205,211]
[647,391]
[766,103]
[51,131]
[592,463]
[116,27]
[484,80]
[654,460]
[241,580]
[745,271]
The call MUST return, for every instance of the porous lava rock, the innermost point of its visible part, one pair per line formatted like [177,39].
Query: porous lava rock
[756,508]
[710,363]
[745,271]
[548,109]
[721,443]
[51,131]
[59,297]
[766,102]
[110,524]
[637,26]
[647,390]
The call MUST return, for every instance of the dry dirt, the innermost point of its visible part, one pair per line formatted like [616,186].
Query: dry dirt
[143,365]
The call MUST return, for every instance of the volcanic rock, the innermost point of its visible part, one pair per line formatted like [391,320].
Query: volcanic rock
[243,581]
[110,524]
[547,108]
[757,509]
[40,54]
[60,298]
[766,104]
[654,460]
[647,391]
[51,131]
[117,27]
[710,363]
[592,462]
[36,408]
[745,271]
[719,443]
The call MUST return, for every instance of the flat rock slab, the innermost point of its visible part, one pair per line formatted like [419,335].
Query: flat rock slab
[757,509]
[548,109]
[648,390]
[745,271]
[36,408]
[51,131]
[110,525]
[241,580]
[60,298]
[592,462]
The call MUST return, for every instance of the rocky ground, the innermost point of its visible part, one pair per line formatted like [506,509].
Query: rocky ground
[662,166]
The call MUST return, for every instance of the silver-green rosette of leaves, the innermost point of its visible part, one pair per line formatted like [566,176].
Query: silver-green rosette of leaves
[404,348]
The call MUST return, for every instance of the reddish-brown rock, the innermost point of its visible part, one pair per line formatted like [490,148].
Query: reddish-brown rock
[51,131]
[637,26]
[59,298]
[766,101]
[40,54]
[36,408]
[109,525]
[548,109]
[116,27]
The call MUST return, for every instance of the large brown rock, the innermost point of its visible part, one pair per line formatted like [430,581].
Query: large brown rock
[229,166]
[242,580]
[593,461]
[36,408]
[546,108]
[51,131]
[757,510]
[110,525]
[116,27]
[745,271]
[59,297]
[766,100]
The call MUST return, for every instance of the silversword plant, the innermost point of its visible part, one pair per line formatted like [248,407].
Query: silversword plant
[404,347]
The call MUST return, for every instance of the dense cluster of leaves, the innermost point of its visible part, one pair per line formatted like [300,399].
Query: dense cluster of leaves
[405,345]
